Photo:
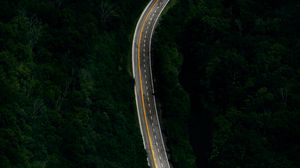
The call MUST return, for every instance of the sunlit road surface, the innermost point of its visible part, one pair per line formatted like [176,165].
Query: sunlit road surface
[144,90]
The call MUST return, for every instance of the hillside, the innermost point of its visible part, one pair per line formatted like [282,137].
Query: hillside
[66,94]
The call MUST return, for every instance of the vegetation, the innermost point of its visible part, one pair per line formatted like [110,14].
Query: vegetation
[238,65]
[172,99]
[227,79]
[66,95]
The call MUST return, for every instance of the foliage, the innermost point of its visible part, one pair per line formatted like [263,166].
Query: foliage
[173,100]
[240,69]
[65,91]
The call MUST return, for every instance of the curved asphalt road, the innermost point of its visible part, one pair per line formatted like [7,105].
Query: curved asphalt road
[144,91]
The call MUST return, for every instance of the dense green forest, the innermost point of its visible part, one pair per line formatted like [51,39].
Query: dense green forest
[228,78]
[66,93]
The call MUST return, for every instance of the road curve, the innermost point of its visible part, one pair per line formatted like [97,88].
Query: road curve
[144,90]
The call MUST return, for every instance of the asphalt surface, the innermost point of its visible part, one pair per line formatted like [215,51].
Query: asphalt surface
[144,90]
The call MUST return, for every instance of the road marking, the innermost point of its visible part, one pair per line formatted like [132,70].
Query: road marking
[141,90]
[146,17]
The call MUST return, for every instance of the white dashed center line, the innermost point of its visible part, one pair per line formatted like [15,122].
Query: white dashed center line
[149,24]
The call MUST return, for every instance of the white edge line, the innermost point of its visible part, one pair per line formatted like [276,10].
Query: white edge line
[138,111]
[133,69]
[152,31]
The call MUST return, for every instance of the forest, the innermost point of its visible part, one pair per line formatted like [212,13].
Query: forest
[226,75]
[228,78]
[66,93]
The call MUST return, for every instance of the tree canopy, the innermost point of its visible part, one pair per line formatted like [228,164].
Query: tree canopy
[227,72]
[66,96]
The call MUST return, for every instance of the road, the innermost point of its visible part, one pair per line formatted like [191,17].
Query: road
[144,90]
